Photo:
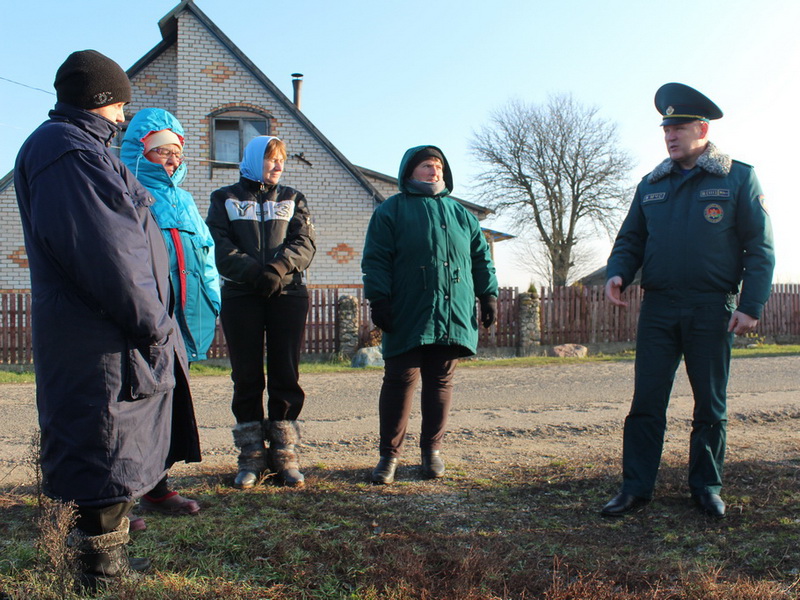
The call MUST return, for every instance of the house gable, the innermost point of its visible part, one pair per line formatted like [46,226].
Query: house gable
[196,72]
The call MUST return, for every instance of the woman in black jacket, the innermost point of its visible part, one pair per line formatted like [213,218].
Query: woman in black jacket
[264,241]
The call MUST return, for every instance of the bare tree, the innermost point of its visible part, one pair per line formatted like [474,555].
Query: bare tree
[533,257]
[556,168]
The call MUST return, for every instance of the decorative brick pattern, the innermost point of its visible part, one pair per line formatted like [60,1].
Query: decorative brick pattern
[13,259]
[157,85]
[151,84]
[342,253]
[20,257]
[218,72]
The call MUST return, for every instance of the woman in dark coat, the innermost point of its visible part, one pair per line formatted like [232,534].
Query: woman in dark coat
[425,260]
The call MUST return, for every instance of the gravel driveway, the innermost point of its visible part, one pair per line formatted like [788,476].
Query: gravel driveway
[514,415]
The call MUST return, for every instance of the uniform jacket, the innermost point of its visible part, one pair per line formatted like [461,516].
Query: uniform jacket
[114,406]
[429,257]
[256,224]
[704,232]
[195,281]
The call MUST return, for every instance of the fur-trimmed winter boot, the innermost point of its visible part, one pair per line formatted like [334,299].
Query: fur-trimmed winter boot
[249,439]
[282,455]
[103,559]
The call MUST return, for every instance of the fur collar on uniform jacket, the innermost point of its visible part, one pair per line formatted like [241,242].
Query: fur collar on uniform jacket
[712,160]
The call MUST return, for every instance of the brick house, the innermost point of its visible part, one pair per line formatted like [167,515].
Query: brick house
[192,73]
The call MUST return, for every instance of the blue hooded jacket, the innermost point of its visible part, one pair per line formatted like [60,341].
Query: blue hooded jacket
[188,239]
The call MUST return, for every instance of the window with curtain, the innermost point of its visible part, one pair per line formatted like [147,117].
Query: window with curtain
[232,130]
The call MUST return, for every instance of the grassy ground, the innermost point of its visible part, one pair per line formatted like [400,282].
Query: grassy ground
[481,534]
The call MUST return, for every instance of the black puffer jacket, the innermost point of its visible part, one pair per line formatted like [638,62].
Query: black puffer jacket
[255,225]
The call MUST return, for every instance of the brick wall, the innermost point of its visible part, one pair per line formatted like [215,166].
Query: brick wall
[209,77]
[13,259]
[192,78]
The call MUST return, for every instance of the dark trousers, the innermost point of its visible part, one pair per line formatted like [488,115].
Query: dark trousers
[97,520]
[246,321]
[436,366]
[666,332]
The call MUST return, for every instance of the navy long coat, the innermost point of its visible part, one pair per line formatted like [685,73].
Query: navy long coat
[111,373]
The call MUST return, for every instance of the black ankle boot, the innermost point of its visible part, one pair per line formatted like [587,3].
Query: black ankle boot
[432,464]
[383,474]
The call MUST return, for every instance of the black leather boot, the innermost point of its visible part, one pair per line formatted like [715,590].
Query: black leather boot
[383,473]
[432,464]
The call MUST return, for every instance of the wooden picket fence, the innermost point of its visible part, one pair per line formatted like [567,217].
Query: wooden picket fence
[15,329]
[320,336]
[583,315]
[567,315]
[781,316]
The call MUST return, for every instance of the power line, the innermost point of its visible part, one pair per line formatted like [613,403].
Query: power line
[28,86]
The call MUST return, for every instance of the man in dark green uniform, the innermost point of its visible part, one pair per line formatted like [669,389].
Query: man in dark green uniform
[699,230]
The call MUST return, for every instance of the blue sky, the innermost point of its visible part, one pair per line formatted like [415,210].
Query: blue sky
[381,76]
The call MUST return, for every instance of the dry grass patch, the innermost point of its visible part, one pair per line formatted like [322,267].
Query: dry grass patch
[477,535]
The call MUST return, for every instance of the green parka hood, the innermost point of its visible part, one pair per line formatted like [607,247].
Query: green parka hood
[406,162]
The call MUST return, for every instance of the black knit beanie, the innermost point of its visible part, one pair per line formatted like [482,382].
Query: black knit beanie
[420,156]
[88,79]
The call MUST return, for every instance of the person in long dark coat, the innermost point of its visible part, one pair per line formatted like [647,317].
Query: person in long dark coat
[114,405]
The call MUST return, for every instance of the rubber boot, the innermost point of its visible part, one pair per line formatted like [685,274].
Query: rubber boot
[103,559]
[282,455]
[432,464]
[249,439]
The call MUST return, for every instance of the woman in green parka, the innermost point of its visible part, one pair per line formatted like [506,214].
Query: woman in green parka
[425,260]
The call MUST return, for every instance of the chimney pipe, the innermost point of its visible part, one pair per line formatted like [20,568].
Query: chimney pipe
[297,84]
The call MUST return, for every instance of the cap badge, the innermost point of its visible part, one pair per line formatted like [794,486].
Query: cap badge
[670,110]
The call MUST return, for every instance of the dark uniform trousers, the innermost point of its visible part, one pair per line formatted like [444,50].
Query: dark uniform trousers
[670,326]
[246,321]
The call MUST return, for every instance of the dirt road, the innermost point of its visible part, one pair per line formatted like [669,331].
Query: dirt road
[522,416]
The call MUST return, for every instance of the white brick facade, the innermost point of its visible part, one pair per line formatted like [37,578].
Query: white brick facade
[196,71]
[13,259]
